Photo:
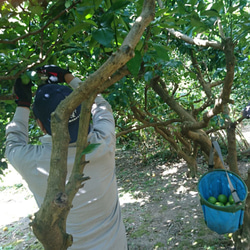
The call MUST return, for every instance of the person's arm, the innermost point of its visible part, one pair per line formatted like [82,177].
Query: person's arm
[102,116]
[20,154]
[17,137]
[102,131]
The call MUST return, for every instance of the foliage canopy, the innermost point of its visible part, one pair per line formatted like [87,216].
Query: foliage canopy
[81,35]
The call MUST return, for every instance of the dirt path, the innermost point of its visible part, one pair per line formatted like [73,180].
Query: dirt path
[160,206]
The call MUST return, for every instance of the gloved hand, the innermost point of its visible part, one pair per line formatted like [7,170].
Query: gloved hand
[23,93]
[55,73]
[246,111]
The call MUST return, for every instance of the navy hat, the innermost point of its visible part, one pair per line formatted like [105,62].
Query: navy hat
[47,99]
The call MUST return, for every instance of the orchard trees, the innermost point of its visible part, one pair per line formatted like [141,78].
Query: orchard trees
[193,61]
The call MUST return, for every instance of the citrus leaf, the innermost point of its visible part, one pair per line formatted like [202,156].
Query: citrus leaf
[77,28]
[134,64]
[104,36]
[161,51]
[118,5]
[90,148]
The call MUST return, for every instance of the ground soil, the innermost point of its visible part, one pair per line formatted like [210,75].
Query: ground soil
[160,205]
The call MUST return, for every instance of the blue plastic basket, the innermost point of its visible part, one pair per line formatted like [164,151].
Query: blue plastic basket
[222,219]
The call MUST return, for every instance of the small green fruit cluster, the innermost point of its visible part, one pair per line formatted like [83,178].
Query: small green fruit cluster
[222,200]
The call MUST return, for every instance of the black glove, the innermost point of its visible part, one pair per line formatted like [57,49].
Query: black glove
[23,93]
[55,73]
[246,111]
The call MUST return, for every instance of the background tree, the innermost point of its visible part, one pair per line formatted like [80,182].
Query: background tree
[188,79]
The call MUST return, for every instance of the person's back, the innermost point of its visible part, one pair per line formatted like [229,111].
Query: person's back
[95,218]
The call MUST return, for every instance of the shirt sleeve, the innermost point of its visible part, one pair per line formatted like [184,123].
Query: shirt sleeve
[17,148]
[75,83]
[102,131]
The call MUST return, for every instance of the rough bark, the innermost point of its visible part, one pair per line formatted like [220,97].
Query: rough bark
[242,236]
[231,142]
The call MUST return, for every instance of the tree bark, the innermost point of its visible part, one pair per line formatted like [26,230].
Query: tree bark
[231,142]
[242,236]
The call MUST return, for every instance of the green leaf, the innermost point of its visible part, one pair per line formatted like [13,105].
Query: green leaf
[148,76]
[218,6]
[118,5]
[211,13]
[104,36]
[77,28]
[192,75]
[162,51]
[36,10]
[90,148]
[232,9]
[135,63]
[67,4]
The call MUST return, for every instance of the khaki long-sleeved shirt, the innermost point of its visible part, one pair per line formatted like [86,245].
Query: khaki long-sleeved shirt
[95,218]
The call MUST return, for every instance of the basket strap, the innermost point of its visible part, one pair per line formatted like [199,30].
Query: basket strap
[211,159]
[232,189]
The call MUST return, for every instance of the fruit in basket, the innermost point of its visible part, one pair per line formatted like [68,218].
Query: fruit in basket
[212,199]
[222,198]
[218,203]
[231,199]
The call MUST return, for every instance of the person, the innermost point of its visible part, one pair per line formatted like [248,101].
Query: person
[95,219]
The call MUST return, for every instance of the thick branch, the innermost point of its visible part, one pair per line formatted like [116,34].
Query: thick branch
[182,113]
[146,125]
[204,84]
[230,65]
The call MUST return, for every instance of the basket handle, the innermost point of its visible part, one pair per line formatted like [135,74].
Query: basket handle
[216,146]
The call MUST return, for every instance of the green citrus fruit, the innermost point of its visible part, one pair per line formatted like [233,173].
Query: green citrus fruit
[25,79]
[231,199]
[222,198]
[218,203]
[228,204]
[212,199]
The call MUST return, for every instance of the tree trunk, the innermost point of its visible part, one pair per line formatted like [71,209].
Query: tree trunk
[232,150]
[242,236]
